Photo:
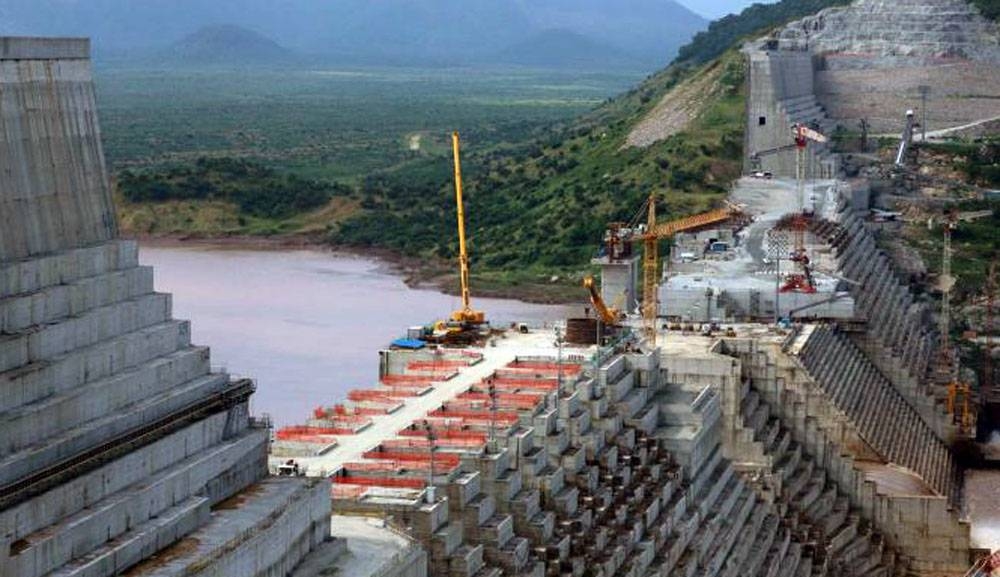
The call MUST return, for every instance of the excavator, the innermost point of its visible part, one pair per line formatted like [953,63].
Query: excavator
[610,316]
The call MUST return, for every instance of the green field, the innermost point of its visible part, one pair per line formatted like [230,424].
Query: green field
[332,124]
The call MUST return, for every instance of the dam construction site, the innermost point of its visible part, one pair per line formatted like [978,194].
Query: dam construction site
[777,394]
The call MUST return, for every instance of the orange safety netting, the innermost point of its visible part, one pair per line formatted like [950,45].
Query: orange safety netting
[316,434]
[380,482]
[359,395]
[424,444]
[436,366]
[471,415]
[546,385]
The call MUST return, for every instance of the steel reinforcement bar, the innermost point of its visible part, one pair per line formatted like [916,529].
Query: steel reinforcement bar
[54,475]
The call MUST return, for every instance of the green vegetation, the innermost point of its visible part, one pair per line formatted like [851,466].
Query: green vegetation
[257,190]
[332,124]
[723,34]
[544,205]
[975,245]
[989,8]
[979,161]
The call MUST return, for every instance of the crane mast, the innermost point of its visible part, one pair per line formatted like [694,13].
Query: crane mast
[467,314]
[651,281]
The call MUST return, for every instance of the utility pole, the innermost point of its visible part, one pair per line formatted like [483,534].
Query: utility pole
[925,91]
[559,368]
[431,439]
[493,415]
[777,245]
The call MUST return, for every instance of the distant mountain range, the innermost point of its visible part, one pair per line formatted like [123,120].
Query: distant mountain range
[643,34]
[225,44]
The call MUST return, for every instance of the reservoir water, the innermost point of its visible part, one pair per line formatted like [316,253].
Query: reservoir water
[306,325]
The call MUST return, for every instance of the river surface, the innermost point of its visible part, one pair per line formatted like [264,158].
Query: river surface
[306,325]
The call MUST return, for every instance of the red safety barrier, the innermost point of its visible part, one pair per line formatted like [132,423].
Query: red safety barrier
[359,395]
[444,433]
[509,384]
[380,482]
[480,416]
[302,433]
[443,458]
[388,466]
[425,378]
[423,444]
[436,366]
[514,397]
[546,366]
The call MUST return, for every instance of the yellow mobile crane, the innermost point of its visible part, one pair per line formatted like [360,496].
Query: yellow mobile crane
[464,325]
[466,316]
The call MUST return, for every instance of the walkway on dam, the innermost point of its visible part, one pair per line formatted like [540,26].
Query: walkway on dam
[350,448]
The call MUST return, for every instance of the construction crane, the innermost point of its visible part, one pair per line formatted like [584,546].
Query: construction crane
[610,316]
[466,316]
[803,281]
[651,233]
[947,283]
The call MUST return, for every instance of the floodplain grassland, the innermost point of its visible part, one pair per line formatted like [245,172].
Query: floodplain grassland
[338,124]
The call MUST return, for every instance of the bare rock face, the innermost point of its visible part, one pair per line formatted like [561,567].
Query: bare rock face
[891,33]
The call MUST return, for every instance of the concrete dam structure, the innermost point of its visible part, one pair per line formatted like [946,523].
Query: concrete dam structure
[730,445]
[870,61]
[120,450]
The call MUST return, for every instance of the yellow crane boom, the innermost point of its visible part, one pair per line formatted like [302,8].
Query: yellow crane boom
[609,316]
[651,259]
[467,314]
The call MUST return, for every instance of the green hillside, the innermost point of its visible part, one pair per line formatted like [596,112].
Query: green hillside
[539,207]
[545,204]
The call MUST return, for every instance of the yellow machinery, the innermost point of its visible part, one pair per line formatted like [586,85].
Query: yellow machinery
[610,316]
[467,315]
[651,234]
[651,259]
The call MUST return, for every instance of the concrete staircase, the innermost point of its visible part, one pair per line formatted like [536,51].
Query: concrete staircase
[845,542]
[806,432]
[899,337]
[881,415]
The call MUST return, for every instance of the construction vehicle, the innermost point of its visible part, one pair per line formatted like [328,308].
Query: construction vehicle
[466,315]
[620,238]
[610,316]
[465,325]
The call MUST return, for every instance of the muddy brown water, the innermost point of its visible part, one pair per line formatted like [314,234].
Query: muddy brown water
[306,325]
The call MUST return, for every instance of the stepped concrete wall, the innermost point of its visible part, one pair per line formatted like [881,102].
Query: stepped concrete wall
[873,56]
[116,439]
[923,528]
[54,191]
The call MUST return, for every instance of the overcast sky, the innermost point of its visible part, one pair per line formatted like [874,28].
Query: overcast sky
[713,9]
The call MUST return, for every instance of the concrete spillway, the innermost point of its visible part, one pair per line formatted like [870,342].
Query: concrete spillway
[120,450]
